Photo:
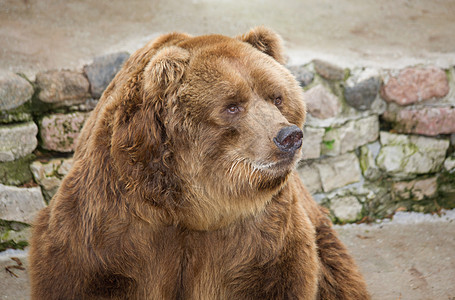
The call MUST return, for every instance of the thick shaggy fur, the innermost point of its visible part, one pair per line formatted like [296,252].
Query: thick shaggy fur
[178,190]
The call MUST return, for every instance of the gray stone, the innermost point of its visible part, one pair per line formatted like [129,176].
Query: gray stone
[405,156]
[62,88]
[302,75]
[346,209]
[59,132]
[362,95]
[312,139]
[350,136]
[17,140]
[14,91]
[20,204]
[368,164]
[16,236]
[328,70]
[321,103]
[336,172]
[49,175]
[103,69]
[309,174]
[449,163]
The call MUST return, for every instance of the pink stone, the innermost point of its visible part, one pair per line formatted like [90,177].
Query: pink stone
[427,121]
[415,85]
[59,132]
[321,103]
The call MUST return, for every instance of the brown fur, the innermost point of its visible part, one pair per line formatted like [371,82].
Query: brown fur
[172,196]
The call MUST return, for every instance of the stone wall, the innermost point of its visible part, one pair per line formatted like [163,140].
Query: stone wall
[376,141]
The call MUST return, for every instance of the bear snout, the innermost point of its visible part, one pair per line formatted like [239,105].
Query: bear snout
[289,139]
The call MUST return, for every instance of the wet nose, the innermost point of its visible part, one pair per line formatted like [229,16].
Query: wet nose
[289,139]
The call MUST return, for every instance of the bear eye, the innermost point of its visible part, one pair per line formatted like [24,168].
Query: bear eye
[278,101]
[233,109]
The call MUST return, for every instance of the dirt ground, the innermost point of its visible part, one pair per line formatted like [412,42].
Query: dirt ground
[45,34]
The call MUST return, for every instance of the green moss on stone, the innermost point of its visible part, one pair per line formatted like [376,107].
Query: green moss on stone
[13,245]
[16,172]
[446,190]
[22,113]
[13,235]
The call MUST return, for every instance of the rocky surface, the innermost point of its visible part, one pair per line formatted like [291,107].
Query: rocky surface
[361,95]
[59,132]
[321,103]
[417,189]
[62,87]
[346,208]
[429,121]
[102,70]
[16,172]
[20,204]
[406,156]
[17,140]
[14,90]
[312,141]
[351,136]
[415,85]
[339,171]
[49,174]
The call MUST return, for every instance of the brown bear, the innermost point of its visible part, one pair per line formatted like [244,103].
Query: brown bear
[184,185]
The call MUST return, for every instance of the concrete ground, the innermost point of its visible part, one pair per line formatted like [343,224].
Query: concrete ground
[412,257]
[400,260]
[45,34]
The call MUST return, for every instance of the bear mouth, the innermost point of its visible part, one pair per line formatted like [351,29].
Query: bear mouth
[258,172]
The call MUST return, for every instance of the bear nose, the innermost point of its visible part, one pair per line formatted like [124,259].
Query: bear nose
[289,139]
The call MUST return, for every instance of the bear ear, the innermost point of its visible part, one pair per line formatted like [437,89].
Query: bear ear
[265,40]
[164,71]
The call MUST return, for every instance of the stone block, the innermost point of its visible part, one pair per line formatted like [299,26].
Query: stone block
[417,84]
[336,172]
[16,236]
[368,164]
[102,70]
[350,136]
[16,172]
[312,139]
[361,95]
[417,190]
[328,71]
[14,91]
[321,103]
[62,88]
[407,156]
[309,174]
[449,163]
[49,175]
[346,209]
[302,75]
[59,131]
[20,204]
[17,140]
[429,121]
